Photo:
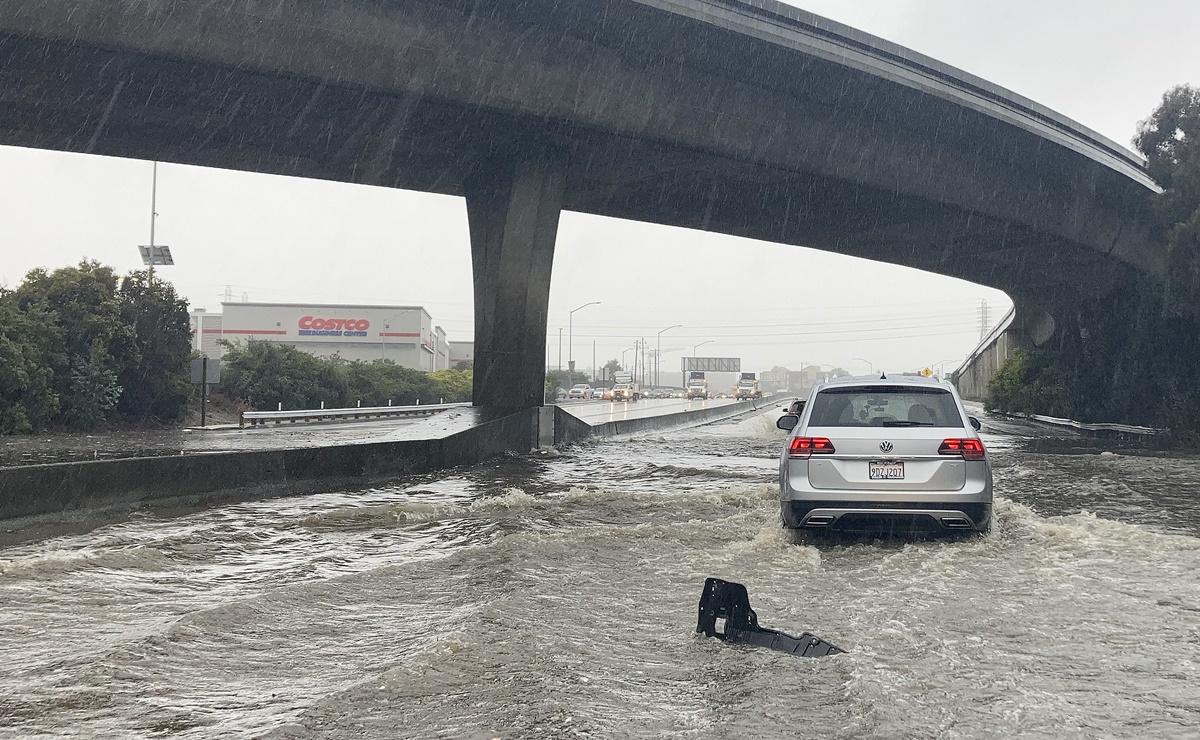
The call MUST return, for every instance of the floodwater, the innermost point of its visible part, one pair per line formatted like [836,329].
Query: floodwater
[554,596]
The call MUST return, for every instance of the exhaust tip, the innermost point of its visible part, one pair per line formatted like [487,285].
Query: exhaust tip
[820,520]
[955,522]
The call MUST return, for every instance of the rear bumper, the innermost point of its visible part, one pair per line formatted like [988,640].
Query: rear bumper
[887,516]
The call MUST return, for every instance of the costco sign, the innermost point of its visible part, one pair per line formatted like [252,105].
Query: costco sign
[315,326]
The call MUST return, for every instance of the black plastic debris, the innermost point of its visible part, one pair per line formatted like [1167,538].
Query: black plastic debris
[729,604]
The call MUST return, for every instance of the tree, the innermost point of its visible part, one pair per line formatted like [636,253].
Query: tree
[94,345]
[1170,140]
[29,348]
[611,368]
[556,379]
[155,378]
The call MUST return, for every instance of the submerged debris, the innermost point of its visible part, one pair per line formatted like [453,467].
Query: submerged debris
[729,603]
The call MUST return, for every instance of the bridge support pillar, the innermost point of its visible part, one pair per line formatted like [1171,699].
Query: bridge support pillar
[512,209]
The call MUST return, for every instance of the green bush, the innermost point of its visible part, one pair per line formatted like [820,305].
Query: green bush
[80,346]
[1026,385]
[266,375]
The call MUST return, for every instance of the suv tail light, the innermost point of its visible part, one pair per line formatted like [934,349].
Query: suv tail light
[802,447]
[967,449]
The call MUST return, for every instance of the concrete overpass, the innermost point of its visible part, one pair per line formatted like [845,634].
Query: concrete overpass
[745,117]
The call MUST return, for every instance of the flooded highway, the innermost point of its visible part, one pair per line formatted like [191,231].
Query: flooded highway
[554,595]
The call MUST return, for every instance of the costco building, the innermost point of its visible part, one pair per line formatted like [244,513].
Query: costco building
[405,335]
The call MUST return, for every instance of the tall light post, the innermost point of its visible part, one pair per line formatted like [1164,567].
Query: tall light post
[658,353]
[940,364]
[870,367]
[625,367]
[571,338]
[683,379]
[154,254]
[821,365]
[383,334]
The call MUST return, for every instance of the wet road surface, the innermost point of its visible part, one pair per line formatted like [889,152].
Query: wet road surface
[554,596]
[51,448]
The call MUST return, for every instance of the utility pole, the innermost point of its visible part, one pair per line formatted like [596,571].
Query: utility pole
[560,349]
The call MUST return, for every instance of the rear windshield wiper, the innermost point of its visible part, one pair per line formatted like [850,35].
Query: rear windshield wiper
[908,423]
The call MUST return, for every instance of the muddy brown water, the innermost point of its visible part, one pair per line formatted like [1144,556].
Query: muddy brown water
[554,596]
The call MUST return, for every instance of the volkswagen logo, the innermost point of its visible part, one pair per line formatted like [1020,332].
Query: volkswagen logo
[885,446]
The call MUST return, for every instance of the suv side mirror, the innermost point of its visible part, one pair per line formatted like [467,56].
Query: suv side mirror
[787,422]
[975,423]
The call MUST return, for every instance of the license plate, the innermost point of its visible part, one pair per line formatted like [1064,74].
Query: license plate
[886,470]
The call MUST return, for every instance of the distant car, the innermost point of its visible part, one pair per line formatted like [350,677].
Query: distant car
[884,456]
[561,394]
[604,394]
[795,407]
[580,390]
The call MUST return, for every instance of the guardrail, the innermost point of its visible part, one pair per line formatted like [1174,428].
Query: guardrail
[1096,429]
[1000,327]
[256,418]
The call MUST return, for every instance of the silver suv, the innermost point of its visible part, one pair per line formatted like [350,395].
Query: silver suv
[884,456]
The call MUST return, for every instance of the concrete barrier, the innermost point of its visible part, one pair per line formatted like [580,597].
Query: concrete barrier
[569,429]
[210,477]
[202,477]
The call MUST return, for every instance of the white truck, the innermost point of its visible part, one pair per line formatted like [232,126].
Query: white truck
[625,388]
[747,388]
[697,386]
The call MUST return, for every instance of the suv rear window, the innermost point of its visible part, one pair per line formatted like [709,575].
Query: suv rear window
[884,406]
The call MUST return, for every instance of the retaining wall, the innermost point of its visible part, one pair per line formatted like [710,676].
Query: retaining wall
[972,378]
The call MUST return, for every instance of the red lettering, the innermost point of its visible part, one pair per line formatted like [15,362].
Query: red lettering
[310,322]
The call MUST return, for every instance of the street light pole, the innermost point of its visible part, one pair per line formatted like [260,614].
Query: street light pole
[153,214]
[383,334]
[571,337]
[657,377]
[683,380]
[940,364]
[870,367]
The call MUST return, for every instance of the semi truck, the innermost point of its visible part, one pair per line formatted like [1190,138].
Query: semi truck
[747,388]
[625,388]
[697,386]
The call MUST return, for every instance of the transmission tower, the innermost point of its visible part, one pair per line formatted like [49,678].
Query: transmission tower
[984,318]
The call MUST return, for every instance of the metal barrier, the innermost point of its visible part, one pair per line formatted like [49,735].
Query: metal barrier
[1095,429]
[255,418]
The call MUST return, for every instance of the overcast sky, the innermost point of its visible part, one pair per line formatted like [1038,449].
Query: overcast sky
[1104,63]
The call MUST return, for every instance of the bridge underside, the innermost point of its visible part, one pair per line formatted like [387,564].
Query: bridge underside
[62,97]
[809,154]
